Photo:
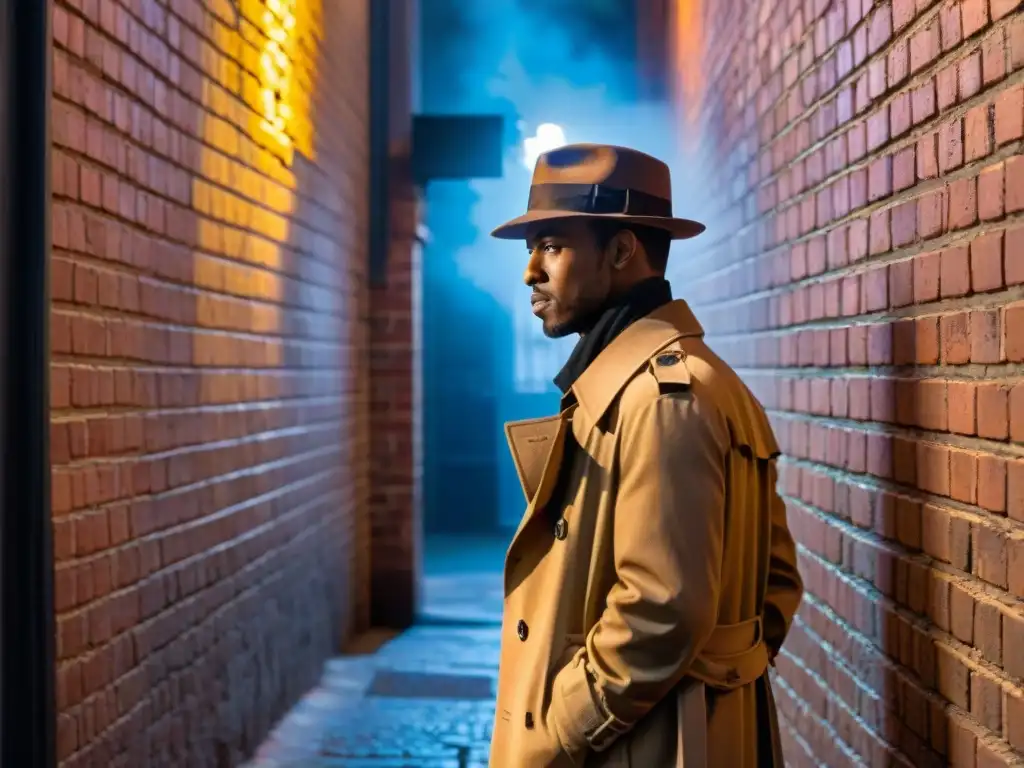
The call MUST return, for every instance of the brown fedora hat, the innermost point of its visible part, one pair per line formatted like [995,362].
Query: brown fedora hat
[600,181]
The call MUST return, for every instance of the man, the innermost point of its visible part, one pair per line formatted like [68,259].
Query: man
[653,577]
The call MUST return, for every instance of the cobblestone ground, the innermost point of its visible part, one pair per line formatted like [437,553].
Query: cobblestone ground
[424,699]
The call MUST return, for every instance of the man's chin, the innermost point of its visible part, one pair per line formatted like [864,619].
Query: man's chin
[559,330]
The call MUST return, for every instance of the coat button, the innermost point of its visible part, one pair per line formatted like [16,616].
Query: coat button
[561,529]
[667,359]
[522,630]
[529,720]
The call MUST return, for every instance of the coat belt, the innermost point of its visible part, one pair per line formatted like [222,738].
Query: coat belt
[734,656]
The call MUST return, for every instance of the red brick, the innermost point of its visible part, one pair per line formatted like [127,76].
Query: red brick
[986,335]
[956,338]
[1014,256]
[951,145]
[961,621]
[992,496]
[1013,323]
[927,156]
[950,25]
[877,83]
[1013,643]
[987,262]
[1016,413]
[962,400]
[879,28]
[875,284]
[900,124]
[1015,42]
[963,203]
[993,56]
[210,458]
[962,744]
[990,193]
[931,214]
[926,277]
[1015,566]
[975,16]
[1014,181]
[880,344]
[904,341]
[1000,8]
[963,476]
[851,295]
[898,64]
[948,84]
[955,279]
[1015,489]
[927,340]
[1009,115]
[993,411]
[857,240]
[988,631]
[901,283]
[924,46]
[977,136]
[878,128]
[904,169]
[903,224]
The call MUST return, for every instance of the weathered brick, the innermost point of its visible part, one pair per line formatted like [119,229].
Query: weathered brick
[211,407]
[920,277]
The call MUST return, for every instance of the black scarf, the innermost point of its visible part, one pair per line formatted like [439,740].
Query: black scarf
[639,301]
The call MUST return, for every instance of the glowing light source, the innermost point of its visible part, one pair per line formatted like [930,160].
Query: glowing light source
[690,44]
[549,136]
[276,68]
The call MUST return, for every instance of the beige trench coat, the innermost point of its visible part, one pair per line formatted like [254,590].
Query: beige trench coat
[653,575]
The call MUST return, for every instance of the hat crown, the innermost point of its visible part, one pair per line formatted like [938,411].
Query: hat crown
[600,181]
[610,166]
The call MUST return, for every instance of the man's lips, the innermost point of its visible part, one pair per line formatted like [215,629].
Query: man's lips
[539,302]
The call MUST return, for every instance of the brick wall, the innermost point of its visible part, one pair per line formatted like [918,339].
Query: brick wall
[860,169]
[396,525]
[210,393]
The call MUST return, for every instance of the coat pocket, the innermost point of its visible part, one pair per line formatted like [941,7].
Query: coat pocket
[619,755]
[571,645]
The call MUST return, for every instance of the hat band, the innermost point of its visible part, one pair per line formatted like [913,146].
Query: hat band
[595,198]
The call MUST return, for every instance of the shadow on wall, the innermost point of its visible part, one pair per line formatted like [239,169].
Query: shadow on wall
[534,66]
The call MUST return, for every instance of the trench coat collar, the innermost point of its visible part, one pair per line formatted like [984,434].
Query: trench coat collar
[597,387]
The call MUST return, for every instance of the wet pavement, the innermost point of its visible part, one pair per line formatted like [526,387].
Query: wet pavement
[421,699]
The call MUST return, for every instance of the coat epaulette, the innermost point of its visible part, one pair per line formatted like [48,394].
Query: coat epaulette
[669,367]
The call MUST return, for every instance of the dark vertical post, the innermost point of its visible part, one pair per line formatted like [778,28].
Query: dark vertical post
[380,139]
[27,705]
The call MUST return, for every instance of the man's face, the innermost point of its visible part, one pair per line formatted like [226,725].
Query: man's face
[569,274]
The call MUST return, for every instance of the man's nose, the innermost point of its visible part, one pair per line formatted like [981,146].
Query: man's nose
[533,273]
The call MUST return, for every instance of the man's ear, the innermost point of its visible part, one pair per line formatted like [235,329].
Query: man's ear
[623,248]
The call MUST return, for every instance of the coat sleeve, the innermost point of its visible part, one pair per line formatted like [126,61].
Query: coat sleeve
[785,587]
[668,530]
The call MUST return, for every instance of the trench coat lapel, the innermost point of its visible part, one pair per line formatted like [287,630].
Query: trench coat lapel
[537,447]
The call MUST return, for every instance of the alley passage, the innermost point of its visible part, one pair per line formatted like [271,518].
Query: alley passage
[422,699]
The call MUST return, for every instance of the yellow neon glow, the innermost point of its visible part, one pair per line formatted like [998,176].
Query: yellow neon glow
[276,69]
[689,52]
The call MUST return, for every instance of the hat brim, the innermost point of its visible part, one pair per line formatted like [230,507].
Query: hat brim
[517,228]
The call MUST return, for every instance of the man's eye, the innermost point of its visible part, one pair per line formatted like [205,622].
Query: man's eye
[551,248]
